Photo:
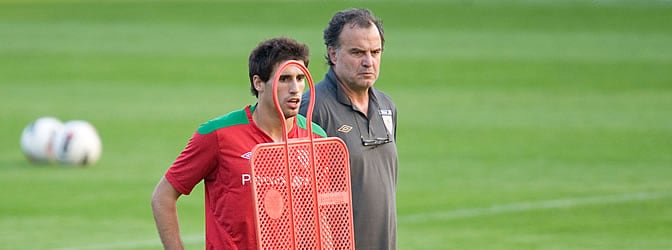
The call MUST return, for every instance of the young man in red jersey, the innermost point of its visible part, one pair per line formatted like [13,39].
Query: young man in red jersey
[218,152]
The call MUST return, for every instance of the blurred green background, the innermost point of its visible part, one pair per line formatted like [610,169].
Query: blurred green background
[531,124]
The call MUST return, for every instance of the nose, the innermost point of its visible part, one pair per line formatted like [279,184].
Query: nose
[367,60]
[295,85]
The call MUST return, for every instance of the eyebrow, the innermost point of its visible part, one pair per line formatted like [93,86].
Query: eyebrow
[290,75]
[355,49]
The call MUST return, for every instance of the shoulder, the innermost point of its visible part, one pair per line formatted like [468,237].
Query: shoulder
[302,122]
[325,88]
[383,98]
[324,96]
[233,118]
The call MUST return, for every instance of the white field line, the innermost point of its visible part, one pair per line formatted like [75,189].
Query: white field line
[440,215]
[530,206]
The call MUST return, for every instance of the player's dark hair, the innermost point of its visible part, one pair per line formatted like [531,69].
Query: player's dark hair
[362,18]
[270,53]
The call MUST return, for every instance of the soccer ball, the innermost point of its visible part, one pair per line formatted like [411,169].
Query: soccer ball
[77,143]
[37,139]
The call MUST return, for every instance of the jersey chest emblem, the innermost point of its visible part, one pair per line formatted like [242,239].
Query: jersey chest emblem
[345,128]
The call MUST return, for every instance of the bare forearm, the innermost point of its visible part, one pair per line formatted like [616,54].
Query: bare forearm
[164,207]
[167,224]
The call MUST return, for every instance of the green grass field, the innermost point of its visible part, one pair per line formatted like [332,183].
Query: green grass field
[532,124]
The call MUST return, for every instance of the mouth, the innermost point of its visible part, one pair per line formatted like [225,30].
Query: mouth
[368,74]
[294,102]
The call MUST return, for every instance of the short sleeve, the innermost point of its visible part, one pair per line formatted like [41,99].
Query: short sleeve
[194,163]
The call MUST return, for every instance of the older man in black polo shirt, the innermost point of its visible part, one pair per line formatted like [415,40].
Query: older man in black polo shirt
[348,106]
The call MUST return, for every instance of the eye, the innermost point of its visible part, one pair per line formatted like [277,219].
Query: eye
[357,52]
[300,78]
[284,78]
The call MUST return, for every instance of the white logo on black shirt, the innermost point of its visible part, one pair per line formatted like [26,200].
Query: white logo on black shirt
[387,120]
[345,128]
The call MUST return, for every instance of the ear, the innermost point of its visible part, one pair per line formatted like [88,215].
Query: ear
[331,52]
[259,85]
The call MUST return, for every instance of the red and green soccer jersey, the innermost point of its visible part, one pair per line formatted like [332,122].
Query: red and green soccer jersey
[218,153]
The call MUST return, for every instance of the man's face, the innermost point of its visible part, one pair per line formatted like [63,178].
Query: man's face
[290,88]
[357,60]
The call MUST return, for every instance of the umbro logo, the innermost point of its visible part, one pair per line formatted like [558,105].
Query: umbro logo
[247,155]
[345,128]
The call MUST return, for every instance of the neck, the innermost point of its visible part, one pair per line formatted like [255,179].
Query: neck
[358,97]
[268,121]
